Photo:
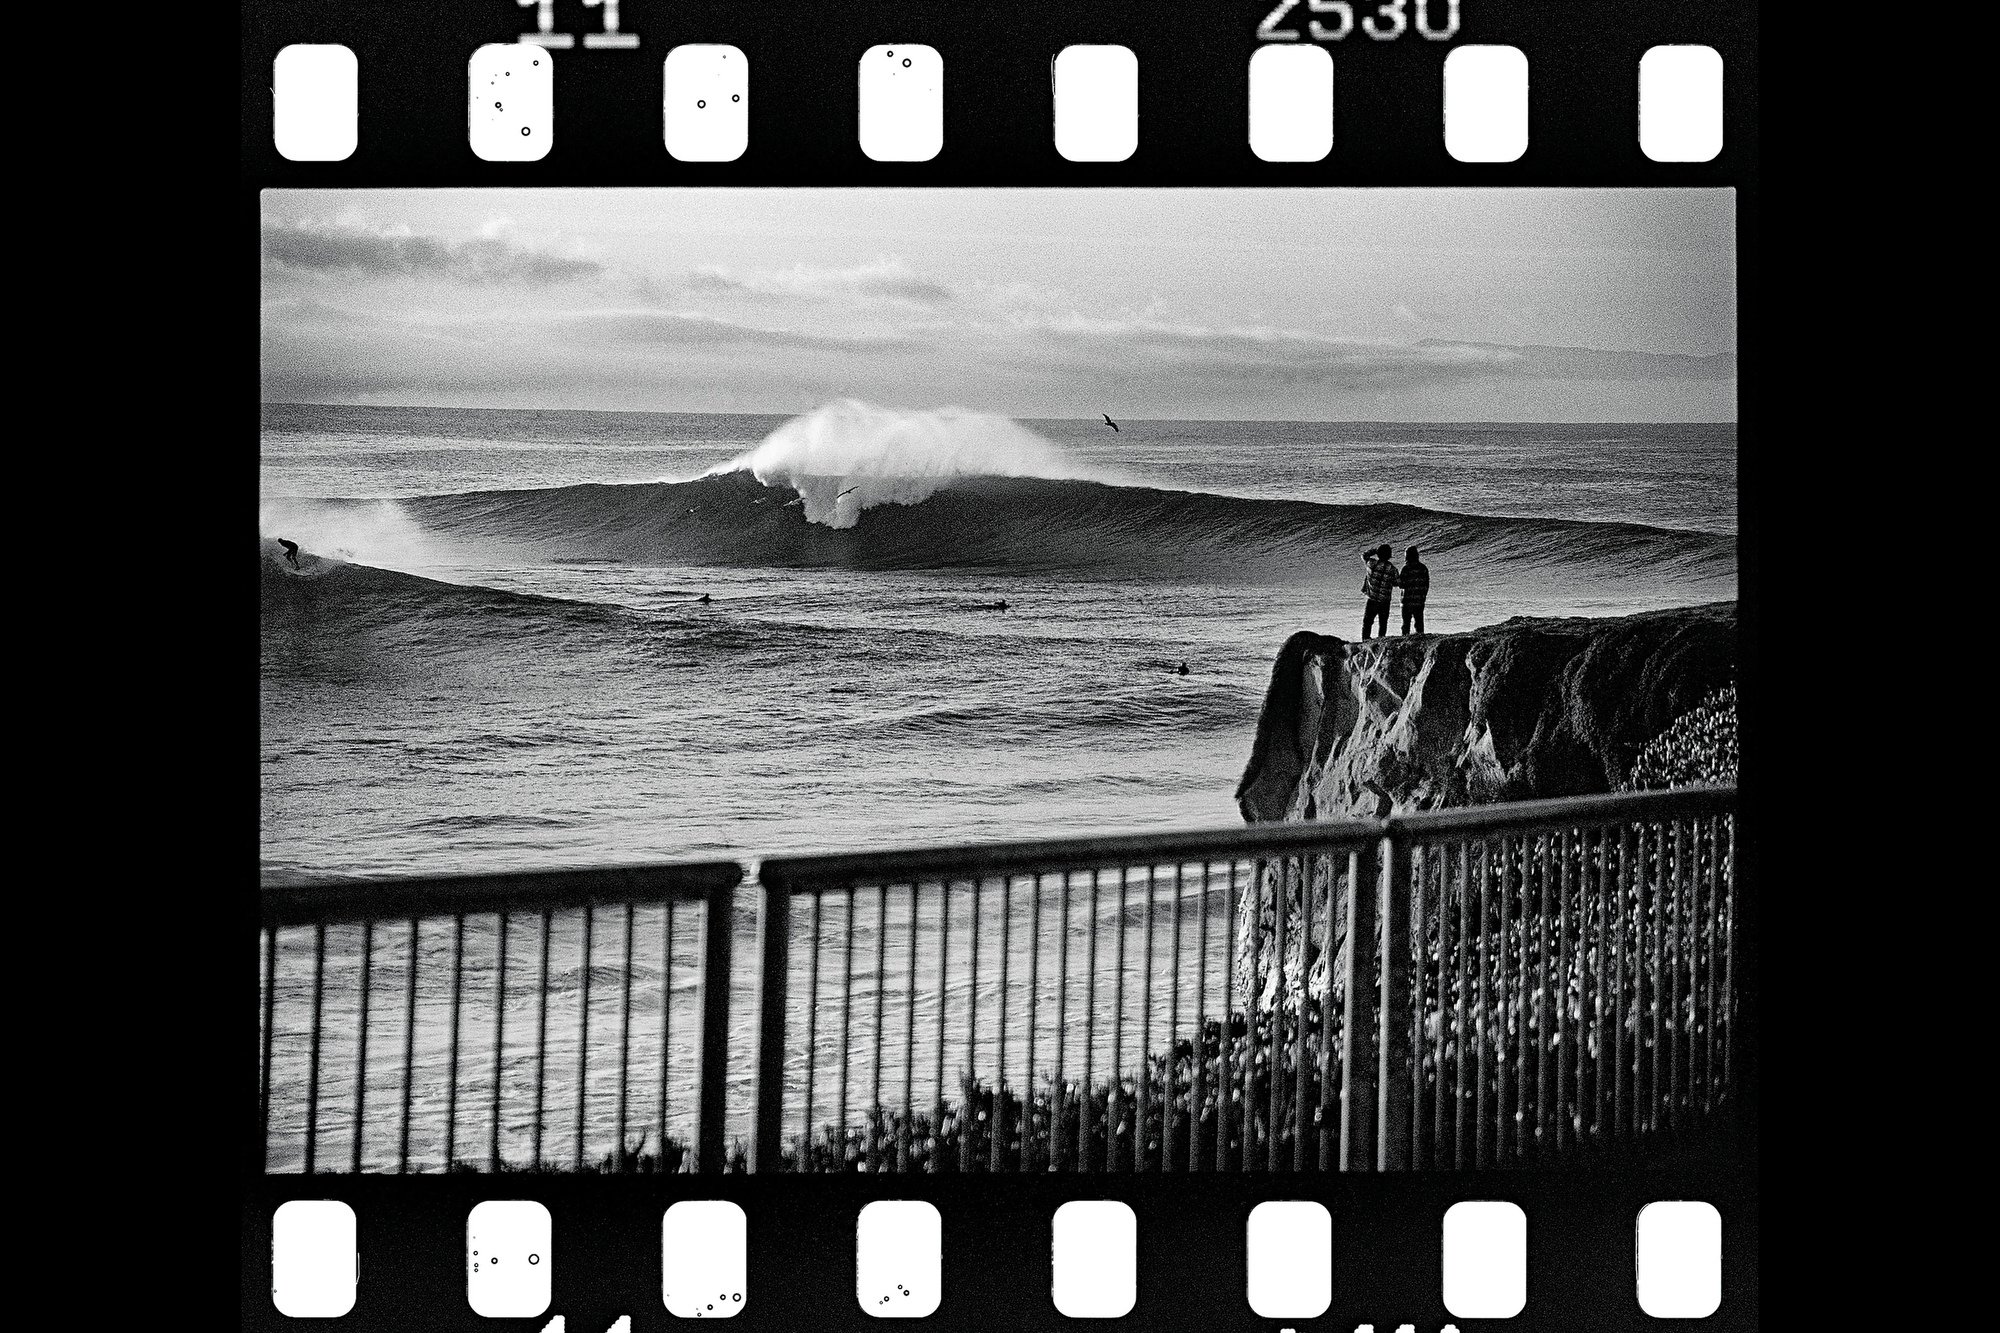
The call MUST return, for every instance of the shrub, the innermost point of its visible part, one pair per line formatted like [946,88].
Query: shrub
[1048,1124]
[1699,746]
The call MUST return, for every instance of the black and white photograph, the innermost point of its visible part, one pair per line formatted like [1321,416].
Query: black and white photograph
[1115,680]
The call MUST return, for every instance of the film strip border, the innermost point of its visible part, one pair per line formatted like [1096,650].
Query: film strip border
[1193,95]
[1424,1254]
[1193,105]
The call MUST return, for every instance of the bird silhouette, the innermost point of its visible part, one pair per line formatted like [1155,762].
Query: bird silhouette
[849,491]
[1109,422]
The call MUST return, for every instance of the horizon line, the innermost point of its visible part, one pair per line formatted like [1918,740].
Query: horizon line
[1012,416]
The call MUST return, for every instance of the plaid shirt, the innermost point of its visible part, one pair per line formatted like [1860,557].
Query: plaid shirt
[1415,583]
[1381,580]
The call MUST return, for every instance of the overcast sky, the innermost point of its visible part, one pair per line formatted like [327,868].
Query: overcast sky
[1467,305]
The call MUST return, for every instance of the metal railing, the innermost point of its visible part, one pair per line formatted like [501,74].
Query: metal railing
[1563,978]
[1486,986]
[452,952]
[1466,988]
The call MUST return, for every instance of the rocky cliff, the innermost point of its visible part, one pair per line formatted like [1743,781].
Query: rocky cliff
[1528,708]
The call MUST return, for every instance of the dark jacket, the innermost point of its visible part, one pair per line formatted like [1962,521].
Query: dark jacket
[1415,582]
[1381,580]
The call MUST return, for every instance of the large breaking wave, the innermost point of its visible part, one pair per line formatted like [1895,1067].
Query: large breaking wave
[861,487]
[849,456]
[1082,529]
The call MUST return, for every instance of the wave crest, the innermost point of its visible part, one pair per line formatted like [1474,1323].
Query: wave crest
[849,456]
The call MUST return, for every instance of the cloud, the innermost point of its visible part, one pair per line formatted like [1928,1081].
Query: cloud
[324,354]
[305,311]
[310,246]
[886,279]
[639,355]
[315,351]
[659,328]
[1538,360]
[555,329]
[1304,358]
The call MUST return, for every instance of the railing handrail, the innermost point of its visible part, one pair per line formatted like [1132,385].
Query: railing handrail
[1604,807]
[334,902]
[802,874]
[337,902]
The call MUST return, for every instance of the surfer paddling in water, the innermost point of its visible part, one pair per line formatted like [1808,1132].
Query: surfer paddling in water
[291,551]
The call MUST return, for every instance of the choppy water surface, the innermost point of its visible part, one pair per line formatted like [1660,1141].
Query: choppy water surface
[496,655]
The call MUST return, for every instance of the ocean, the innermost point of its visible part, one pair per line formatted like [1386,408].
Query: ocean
[497,655]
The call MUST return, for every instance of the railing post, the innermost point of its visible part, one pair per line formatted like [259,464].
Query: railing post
[1392,1041]
[712,1078]
[1357,1070]
[774,918]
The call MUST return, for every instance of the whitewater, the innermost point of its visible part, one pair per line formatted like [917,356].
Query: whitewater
[498,655]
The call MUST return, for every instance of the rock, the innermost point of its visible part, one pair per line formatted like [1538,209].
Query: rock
[1525,709]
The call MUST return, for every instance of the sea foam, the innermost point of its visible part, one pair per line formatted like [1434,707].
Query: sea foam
[848,456]
[372,532]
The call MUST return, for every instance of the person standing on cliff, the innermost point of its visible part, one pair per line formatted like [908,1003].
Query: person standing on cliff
[1378,587]
[1415,581]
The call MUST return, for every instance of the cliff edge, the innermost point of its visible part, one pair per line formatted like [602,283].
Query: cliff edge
[1524,709]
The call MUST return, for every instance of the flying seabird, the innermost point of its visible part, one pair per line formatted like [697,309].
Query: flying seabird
[1109,422]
